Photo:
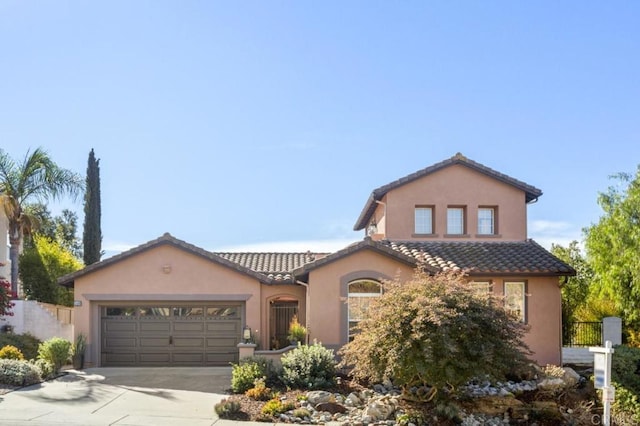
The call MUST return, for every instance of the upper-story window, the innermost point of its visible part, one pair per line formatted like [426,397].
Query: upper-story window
[423,223]
[486,220]
[455,220]
[361,292]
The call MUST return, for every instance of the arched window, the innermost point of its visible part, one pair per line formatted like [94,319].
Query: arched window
[360,295]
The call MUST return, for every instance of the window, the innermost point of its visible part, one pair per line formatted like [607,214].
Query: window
[486,220]
[361,293]
[455,221]
[482,286]
[423,220]
[514,299]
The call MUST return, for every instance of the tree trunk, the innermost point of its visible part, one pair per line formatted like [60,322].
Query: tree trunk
[14,253]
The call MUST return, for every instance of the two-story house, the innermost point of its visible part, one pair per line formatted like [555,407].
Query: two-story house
[168,302]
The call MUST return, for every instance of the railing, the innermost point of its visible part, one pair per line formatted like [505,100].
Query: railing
[583,334]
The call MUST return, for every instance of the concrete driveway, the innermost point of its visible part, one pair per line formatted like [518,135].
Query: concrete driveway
[122,396]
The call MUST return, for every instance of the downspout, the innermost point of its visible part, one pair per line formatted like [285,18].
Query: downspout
[307,307]
[384,205]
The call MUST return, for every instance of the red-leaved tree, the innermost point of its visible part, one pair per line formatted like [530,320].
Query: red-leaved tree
[5,297]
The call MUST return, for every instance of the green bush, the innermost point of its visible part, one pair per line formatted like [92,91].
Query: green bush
[11,352]
[26,343]
[248,370]
[624,375]
[624,366]
[309,367]
[18,373]
[45,368]
[226,409]
[55,350]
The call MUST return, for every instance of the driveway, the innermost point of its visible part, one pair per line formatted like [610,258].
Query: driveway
[122,396]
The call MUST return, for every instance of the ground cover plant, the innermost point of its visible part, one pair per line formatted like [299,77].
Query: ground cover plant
[26,343]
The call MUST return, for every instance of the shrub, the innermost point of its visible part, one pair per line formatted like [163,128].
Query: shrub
[11,352]
[297,331]
[259,391]
[55,350]
[435,331]
[226,409]
[245,373]
[301,413]
[45,368]
[309,367]
[275,407]
[18,373]
[625,366]
[26,343]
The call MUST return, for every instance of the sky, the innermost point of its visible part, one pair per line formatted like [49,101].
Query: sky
[265,125]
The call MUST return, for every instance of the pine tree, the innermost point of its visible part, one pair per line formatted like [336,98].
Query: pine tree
[92,235]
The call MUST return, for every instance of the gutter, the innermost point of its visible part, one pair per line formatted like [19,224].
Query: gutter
[307,302]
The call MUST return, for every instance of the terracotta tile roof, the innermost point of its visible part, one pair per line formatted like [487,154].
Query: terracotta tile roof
[276,266]
[531,192]
[484,258]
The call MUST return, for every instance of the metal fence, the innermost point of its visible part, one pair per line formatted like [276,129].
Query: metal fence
[582,334]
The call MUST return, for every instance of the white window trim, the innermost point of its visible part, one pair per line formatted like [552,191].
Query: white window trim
[358,295]
[429,222]
[492,218]
[458,221]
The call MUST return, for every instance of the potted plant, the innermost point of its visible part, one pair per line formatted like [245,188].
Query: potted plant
[78,351]
[297,331]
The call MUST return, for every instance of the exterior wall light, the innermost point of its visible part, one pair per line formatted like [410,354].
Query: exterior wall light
[246,334]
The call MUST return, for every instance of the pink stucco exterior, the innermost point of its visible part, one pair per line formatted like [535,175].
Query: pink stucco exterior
[452,186]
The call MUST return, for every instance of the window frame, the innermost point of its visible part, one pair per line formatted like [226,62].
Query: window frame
[463,221]
[432,211]
[494,221]
[358,295]
[523,301]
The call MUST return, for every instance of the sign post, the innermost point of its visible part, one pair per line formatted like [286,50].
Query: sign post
[602,373]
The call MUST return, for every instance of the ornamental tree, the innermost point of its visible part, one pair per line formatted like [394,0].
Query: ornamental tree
[613,246]
[92,235]
[436,331]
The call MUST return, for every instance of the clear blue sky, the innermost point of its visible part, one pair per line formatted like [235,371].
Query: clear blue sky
[231,124]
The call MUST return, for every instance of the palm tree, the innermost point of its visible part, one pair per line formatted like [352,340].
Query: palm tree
[36,178]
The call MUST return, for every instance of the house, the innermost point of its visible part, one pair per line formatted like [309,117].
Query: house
[168,302]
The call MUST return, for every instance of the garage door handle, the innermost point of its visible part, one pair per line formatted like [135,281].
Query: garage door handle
[171,340]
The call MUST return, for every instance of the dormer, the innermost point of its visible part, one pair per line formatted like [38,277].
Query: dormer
[456,199]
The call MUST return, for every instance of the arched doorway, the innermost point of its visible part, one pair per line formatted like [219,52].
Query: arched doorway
[281,311]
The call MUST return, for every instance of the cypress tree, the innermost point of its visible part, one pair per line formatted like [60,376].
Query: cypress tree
[92,235]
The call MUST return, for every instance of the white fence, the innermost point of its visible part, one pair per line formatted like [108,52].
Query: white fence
[44,321]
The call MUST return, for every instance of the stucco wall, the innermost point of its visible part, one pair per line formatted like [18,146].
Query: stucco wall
[327,316]
[453,186]
[30,317]
[144,276]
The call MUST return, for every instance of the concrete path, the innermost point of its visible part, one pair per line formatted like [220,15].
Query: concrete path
[122,397]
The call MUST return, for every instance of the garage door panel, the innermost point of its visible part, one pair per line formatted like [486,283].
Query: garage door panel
[221,342]
[189,342]
[164,326]
[197,327]
[119,358]
[215,358]
[120,326]
[120,342]
[155,357]
[231,327]
[188,358]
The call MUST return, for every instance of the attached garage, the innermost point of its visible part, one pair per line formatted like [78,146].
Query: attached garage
[170,334]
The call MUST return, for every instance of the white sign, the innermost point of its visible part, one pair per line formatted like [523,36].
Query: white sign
[599,369]
[602,373]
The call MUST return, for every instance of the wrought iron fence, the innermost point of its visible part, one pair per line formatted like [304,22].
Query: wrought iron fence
[582,334]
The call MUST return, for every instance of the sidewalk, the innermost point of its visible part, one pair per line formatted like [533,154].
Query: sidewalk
[122,397]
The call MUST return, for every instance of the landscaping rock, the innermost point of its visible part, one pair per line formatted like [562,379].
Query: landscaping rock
[319,397]
[570,377]
[331,407]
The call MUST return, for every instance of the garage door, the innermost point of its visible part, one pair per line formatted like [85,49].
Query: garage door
[176,335]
